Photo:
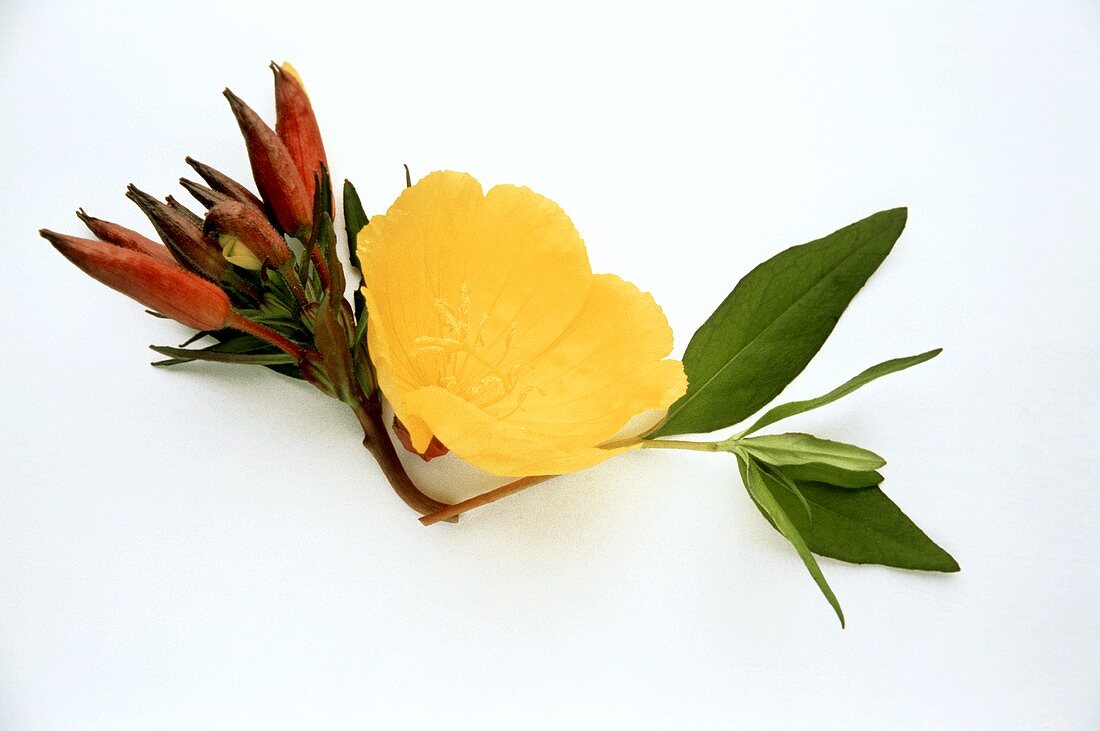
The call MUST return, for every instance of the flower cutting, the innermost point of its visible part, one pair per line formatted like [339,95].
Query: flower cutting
[475,315]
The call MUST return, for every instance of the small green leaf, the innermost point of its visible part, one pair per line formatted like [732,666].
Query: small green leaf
[817,472]
[885,368]
[763,491]
[355,219]
[775,320]
[863,526]
[214,356]
[804,449]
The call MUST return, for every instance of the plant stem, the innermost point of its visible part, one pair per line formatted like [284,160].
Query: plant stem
[681,444]
[451,512]
[377,441]
[290,275]
[263,332]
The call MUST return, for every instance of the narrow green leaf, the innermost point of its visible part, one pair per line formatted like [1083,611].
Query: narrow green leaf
[216,357]
[355,219]
[804,449]
[763,491]
[863,526]
[817,472]
[885,368]
[777,475]
[775,320]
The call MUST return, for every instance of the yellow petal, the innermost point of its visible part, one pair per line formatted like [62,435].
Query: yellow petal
[237,254]
[499,447]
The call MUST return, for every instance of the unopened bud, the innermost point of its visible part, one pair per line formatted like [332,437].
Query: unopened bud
[296,125]
[208,197]
[182,236]
[162,287]
[184,211]
[245,235]
[274,171]
[112,233]
[224,184]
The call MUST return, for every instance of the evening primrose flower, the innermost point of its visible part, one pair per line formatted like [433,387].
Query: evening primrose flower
[490,332]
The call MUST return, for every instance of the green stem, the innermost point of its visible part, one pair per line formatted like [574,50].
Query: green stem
[681,444]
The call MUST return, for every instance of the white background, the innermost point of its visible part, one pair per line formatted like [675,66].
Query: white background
[211,548]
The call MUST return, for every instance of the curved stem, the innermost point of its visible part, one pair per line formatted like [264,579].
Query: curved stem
[451,512]
[377,441]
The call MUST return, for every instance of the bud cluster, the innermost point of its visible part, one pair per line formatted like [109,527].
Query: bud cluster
[259,274]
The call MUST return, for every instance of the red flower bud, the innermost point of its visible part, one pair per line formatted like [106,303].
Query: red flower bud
[224,184]
[184,211]
[162,287]
[182,236]
[206,196]
[273,170]
[296,125]
[112,233]
[231,220]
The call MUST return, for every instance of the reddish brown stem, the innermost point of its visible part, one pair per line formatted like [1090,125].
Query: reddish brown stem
[451,512]
[377,441]
[265,333]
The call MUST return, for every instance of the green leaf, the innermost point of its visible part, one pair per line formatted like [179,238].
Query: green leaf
[862,526]
[775,320]
[885,368]
[355,219]
[817,472]
[764,490]
[183,354]
[805,449]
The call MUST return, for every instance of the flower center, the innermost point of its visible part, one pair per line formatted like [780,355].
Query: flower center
[459,358]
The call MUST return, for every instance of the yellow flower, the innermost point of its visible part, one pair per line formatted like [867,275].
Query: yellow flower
[489,330]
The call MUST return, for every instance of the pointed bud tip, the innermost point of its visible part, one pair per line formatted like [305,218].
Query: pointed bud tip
[52,236]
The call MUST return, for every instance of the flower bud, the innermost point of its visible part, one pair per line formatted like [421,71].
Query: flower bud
[224,184]
[274,171]
[182,236]
[245,235]
[162,287]
[184,211]
[296,125]
[112,233]
[206,196]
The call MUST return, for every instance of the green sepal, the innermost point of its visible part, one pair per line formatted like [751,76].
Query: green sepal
[330,334]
